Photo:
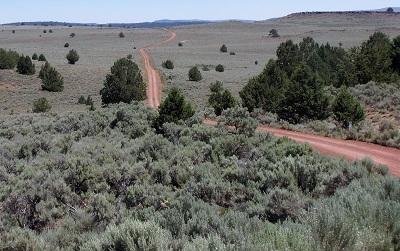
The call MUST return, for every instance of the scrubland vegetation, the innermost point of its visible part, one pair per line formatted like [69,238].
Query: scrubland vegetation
[105,180]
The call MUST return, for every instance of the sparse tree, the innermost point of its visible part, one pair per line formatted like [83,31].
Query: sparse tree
[220,68]
[274,33]
[124,84]
[195,74]
[347,109]
[168,64]
[41,105]
[224,49]
[25,66]
[72,57]
[52,80]
[42,58]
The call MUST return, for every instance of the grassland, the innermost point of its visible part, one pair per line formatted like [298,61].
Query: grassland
[99,48]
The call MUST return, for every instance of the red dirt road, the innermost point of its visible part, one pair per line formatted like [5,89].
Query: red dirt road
[154,83]
[351,150]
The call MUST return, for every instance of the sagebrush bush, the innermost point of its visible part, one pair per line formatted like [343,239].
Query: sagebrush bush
[72,57]
[195,74]
[105,180]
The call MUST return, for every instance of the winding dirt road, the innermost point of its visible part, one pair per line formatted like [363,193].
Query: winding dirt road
[154,83]
[351,150]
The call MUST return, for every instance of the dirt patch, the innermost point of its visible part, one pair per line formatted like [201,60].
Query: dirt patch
[4,86]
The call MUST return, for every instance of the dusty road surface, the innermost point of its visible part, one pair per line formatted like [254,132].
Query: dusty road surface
[351,150]
[154,83]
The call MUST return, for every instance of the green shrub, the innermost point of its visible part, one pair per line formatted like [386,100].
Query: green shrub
[72,57]
[174,109]
[232,53]
[220,68]
[50,31]
[35,56]
[41,105]
[223,49]
[44,31]
[180,44]
[274,33]
[124,84]
[42,58]
[52,80]
[195,74]
[72,35]
[347,109]
[8,59]
[220,99]
[168,65]
[82,100]
[66,45]
[121,35]
[25,66]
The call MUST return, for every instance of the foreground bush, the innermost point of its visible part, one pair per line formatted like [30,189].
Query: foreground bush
[41,105]
[72,57]
[195,74]
[25,66]
[8,59]
[124,84]
[105,180]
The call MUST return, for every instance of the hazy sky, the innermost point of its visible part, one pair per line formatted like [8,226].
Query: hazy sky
[104,11]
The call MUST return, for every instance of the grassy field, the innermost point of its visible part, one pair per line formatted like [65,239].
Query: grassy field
[99,48]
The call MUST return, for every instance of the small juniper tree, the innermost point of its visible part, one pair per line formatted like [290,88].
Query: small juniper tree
[25,66]
[44,31]
[390,9]
[224,49]
[72,35]
[35,56]
[274,33]
[52,80]
[180,44]
[220,99]
[72,57]
[82,100]
[42,58]
[195,74]
[168,64]
[8,59]
[347,109]
[121,35]
[124,84]
[174,109]
[41,105]
[220,68]
[66,45]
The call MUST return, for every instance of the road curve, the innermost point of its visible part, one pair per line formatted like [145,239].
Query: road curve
[351,150]
[154,83]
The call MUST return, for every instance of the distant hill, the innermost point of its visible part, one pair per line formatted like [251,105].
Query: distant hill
[395,9]
[155,24]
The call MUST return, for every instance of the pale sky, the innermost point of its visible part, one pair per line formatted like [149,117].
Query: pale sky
[108,11]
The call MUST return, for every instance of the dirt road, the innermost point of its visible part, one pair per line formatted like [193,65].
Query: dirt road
[154,82]
[351,150]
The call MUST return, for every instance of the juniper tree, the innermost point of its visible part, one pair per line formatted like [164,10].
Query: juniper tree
[25,66]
